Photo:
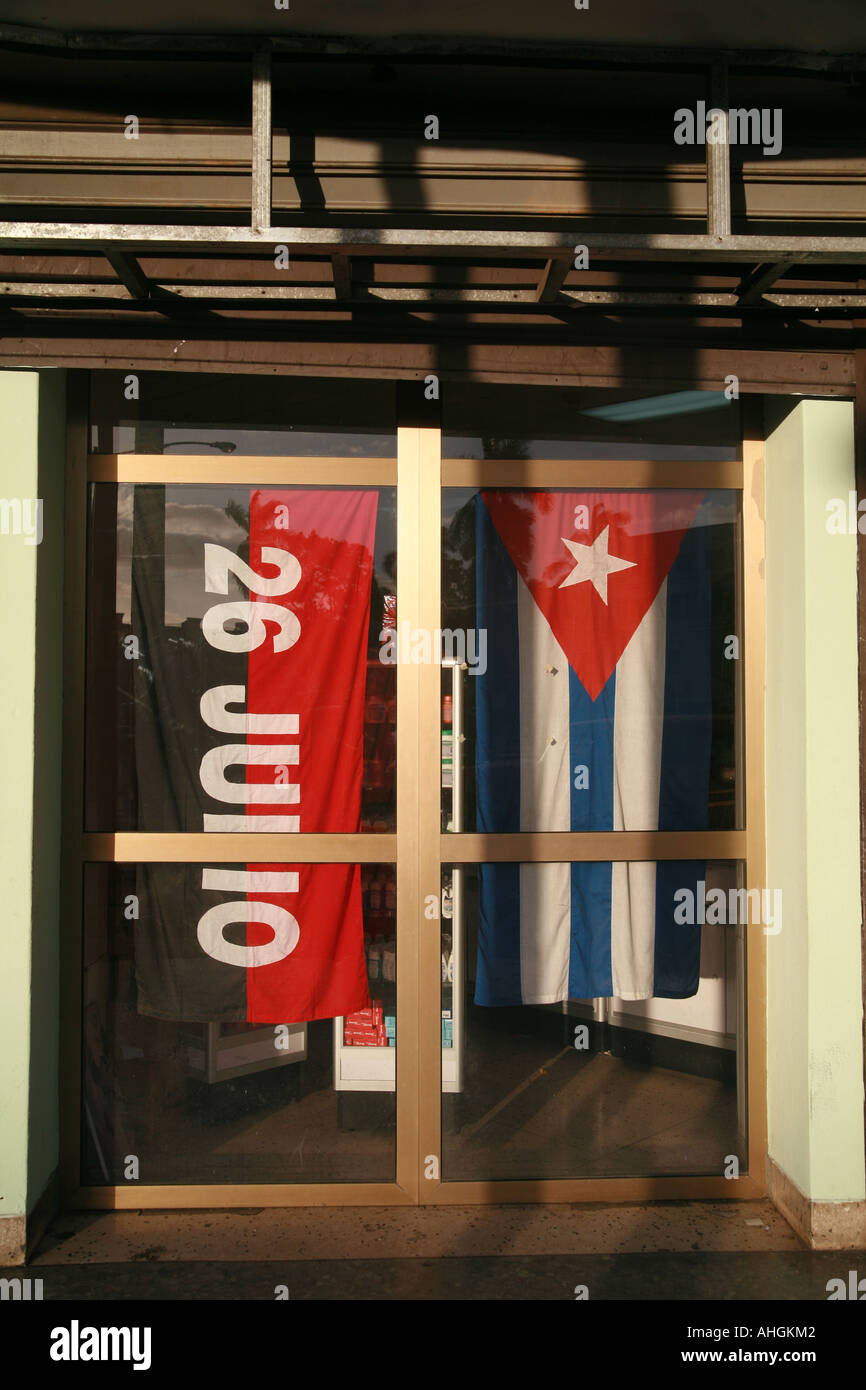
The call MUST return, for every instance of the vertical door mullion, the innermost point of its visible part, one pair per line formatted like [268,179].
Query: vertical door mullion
[430,816]
[756,863]
[409,903]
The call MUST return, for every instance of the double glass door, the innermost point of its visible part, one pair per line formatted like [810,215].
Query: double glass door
[414,842]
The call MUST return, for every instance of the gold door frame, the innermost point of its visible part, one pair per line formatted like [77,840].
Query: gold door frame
[419,848]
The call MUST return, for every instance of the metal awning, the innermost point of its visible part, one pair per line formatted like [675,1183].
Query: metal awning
[161,268]
[101,280]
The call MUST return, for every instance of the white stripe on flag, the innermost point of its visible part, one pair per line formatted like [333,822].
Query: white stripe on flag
[545,803]
[637,743]
[545,932]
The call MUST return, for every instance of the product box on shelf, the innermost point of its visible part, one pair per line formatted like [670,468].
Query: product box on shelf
[369,1027]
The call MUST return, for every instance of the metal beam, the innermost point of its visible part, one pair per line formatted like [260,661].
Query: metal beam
[759,280]
[253,296]
[143,293]
[133,281]
[382,241]
[552,279]
[56,289]
[262,140]
[453,49]
[719,156]
[433,294]
[130,274]
[341,268]
[782,368]
[257,299]
[297,298]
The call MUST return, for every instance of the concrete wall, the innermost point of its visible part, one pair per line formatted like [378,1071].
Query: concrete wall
[814,1005]
[32,412]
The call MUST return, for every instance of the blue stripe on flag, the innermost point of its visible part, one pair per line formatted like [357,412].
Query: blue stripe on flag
[497,692]
[589,968]
[685,765]
[497,979]
[591,744]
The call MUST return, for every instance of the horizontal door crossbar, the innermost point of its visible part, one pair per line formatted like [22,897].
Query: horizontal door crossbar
[597,846]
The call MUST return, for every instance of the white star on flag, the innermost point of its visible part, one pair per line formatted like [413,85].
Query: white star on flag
[594,563]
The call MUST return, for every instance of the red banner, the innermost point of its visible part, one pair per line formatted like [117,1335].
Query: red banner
[255,722]
[319,679]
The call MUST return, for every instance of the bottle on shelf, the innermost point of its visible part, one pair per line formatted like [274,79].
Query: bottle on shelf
[448,899]
[447,742]
[447,960]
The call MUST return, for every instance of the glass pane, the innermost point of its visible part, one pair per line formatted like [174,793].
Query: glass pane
[233,671]
[554,422]
[592,1019]
[239,1023]
[192,413]
[595,642]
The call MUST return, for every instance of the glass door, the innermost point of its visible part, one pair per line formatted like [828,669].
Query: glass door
[245,839]
[598,969]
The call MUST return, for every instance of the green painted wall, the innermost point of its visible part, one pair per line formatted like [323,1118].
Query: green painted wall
[32,410]
[814,990]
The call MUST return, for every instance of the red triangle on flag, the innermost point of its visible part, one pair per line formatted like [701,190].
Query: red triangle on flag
[594,562]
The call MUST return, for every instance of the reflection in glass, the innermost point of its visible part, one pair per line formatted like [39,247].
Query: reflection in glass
[485,421]
[212,1064]
[553,1081]
[249,415]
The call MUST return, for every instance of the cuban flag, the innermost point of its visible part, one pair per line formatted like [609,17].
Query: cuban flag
[594,713]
